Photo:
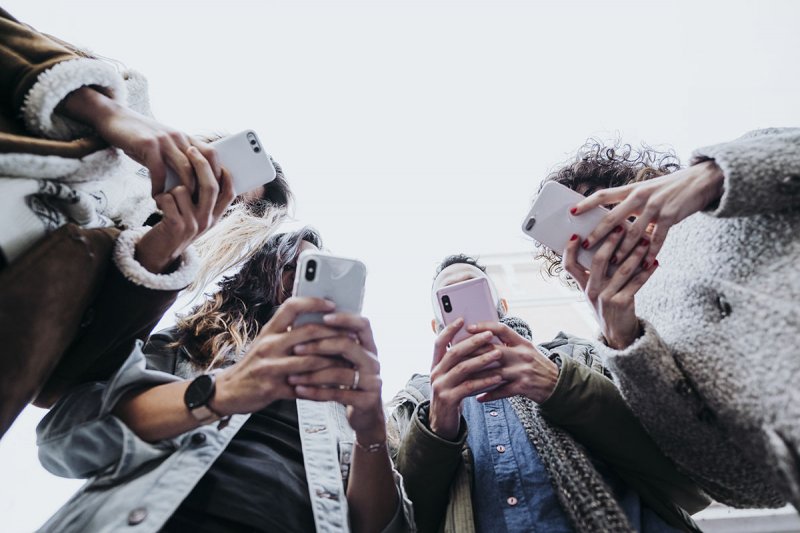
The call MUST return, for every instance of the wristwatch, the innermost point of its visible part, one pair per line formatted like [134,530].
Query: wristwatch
[198,395]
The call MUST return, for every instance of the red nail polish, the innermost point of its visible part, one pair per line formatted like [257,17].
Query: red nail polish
[613,260]
[573,210]
[574,237]
[617,229]
[655,263]
[644,242]
[585,244]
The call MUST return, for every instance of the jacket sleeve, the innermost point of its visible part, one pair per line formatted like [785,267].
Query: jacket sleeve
[37,73]
[428,465]
[683,427]
[80,437]
[589,406]
[761,169]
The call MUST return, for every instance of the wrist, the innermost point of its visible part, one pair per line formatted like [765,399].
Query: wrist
[367,437]
[711,179]
[222,401]
[155,254]
[547,381]
[444,426]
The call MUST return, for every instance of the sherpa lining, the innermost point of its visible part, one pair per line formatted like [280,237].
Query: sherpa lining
[124,259]
[54,84]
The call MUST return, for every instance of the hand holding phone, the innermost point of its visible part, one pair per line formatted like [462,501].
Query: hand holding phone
[245,159]
[550,222]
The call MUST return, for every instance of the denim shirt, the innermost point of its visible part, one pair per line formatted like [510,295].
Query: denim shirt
[135,485]
[511,487]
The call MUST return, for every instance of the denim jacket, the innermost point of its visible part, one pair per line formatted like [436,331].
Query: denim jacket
[136,486]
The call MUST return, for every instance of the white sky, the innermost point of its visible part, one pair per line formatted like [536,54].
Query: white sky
[410,130]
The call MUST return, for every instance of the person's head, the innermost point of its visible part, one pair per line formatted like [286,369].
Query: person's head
[220,328]
[455,269]
[598,165]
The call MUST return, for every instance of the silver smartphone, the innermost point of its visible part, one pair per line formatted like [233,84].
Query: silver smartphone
[338,279]
[244,157]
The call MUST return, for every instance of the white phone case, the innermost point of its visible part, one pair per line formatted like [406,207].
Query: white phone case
[550,223]
[334,278]
[245,159]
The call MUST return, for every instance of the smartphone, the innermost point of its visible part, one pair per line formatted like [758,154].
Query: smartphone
[338,279]
[551,224]
[471,300]
[244,158]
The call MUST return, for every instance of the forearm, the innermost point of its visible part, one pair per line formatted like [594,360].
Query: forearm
[89,106]
[157,413]
[371,491]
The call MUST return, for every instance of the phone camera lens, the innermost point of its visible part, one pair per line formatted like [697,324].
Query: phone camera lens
[446,304]
[529,225]
[256,149]
[311,270]
[253,142]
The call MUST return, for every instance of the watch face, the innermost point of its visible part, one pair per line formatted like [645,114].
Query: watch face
[199,391]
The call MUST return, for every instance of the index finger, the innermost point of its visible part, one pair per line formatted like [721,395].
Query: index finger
[444,339]
[293,307]
[507,336]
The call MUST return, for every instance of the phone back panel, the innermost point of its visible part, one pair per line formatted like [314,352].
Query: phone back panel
[245,159]
[550,223]
[472,300]
[335,278]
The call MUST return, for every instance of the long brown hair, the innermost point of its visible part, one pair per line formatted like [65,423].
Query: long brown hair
[217,331]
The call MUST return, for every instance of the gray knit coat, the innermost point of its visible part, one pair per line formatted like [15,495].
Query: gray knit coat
[715,378]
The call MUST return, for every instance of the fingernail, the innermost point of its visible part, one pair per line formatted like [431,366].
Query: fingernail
[585,244]
[330,305]
[613,260]
[655,263]
[300,348]
[644,242]
[472,327]
[574,237]
[617,229]
[328,319]
[293,379]
[573,210]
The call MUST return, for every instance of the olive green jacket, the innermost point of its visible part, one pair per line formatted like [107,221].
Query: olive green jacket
[437,473]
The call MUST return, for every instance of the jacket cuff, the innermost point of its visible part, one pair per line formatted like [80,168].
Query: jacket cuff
[125,250]
[557,404]
[55,84]
[422,432]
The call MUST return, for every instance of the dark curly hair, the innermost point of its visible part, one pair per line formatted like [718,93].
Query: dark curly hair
[598,165]
[219,329]
[457,259]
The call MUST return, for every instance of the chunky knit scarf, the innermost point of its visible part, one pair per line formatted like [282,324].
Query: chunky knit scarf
[584,495]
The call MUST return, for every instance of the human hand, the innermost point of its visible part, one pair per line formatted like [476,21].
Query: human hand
[458,372]
[142,138]
[662,202]
[184,220]
[260,378]
[524,369]
[612,297]
[357,387]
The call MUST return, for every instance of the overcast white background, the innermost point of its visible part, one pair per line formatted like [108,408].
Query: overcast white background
[411,130]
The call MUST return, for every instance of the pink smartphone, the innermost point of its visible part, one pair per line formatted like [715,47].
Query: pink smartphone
[472,300]
[550,223]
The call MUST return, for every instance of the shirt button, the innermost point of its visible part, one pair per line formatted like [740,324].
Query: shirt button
[492,413]
[724,306]
[501,448]
[137,516]
[512,501]
[199,438]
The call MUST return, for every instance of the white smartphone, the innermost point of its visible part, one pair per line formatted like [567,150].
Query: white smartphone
[338,279]
[244,158]
[551,224]
[470,300]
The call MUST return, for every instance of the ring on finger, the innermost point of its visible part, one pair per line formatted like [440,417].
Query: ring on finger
[356,378]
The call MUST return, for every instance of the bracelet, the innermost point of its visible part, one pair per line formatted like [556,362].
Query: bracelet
[372,448]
